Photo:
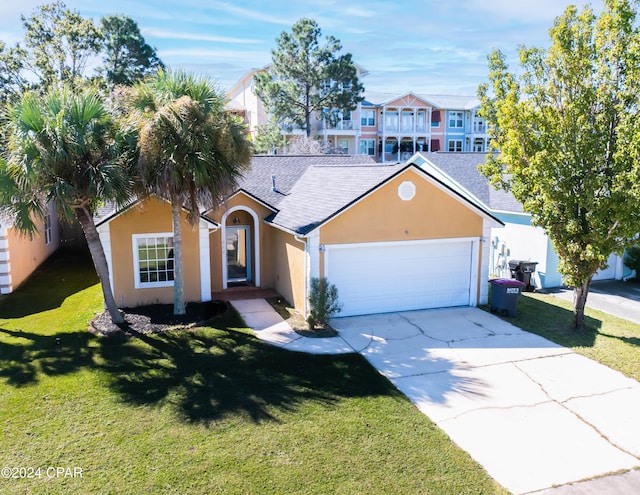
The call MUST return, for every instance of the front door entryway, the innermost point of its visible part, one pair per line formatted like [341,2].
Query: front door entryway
[238,254]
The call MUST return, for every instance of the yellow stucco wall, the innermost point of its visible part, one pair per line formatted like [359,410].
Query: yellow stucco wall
[26,254]
[288,261]
[150,216]
[383,216]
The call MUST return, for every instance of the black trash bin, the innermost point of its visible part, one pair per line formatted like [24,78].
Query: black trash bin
[522,270]
[504,295]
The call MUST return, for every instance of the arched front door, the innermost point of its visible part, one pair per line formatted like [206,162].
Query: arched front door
[239,264]
[240,247]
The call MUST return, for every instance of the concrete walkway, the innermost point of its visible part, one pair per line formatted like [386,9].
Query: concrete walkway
[534,414]
[270,327]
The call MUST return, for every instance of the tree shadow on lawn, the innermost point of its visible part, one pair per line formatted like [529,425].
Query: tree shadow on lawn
[553,322]
[51,355]
[64,273]
[208,374]
[205,374]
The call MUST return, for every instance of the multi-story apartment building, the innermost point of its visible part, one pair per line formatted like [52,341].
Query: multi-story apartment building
[387,126]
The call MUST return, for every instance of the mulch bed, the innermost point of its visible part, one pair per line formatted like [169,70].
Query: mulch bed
[156,318]
[297,321]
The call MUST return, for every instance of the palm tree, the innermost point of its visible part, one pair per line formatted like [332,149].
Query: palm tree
[64,147]
[191,151]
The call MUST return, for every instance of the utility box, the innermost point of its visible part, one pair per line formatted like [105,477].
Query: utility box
[504,295]
[522,270]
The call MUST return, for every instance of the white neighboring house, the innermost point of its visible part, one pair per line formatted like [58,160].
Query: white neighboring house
[21,255]
[518,240]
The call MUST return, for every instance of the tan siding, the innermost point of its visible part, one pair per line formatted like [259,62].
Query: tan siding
[288,261]
[383,216]
[148,217]
[25,254]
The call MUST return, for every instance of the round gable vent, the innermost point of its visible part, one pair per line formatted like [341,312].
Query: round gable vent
[406,190]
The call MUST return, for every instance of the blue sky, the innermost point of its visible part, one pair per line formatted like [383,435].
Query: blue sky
[424,46]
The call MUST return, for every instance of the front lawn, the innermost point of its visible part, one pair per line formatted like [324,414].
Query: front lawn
[211,410]
[613,341]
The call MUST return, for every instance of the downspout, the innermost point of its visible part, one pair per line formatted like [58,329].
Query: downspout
[306,273]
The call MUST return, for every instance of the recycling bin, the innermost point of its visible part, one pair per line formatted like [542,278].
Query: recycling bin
[522,270]
[504,295]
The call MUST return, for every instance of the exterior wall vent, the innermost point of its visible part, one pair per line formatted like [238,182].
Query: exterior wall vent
[406,190]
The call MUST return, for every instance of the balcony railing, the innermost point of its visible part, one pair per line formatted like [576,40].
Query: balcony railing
[343,125]
[479,128]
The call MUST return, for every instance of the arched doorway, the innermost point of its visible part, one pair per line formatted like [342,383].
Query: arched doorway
[240,247]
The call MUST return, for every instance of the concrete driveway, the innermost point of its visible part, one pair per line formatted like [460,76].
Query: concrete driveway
[618,298]
[533,413]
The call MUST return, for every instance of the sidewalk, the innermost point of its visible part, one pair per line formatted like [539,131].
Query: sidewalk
[270,327]
[615,297]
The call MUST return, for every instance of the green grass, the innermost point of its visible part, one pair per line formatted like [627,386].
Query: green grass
[613,341]
[212,410]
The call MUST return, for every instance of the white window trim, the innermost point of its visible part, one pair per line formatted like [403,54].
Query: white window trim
[459,117]
[136,261]
[366,147]
[47,229]
[365,116]
[454,141]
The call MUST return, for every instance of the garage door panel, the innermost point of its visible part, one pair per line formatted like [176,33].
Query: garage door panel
[399,277]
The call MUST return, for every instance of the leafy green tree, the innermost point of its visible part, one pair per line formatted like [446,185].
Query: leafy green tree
[59,44]
[64,147]
[307,78]
[568,129]
[268,138]
[127,57]
[191,151]
[12,81]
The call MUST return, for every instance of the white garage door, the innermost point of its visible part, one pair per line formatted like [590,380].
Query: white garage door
[384,277]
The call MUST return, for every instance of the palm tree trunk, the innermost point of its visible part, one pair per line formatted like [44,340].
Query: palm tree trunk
[178,281]
[99,261]
[580,294]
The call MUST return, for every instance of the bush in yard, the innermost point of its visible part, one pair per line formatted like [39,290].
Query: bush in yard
[632,259]
[323,302]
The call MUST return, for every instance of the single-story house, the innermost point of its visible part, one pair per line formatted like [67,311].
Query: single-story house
[21,254]
[518,240]
[390,237]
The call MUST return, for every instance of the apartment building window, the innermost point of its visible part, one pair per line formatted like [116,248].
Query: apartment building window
[455,144]
[391,120]
[456,120]
[368,118]
[368,147]
[407,120]
[47,229]
[421,120]
[435,119]
[153,260]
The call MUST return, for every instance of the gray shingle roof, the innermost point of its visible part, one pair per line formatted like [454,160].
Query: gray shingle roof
[323,191]
[463,168]
[312,189]
[287,169]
